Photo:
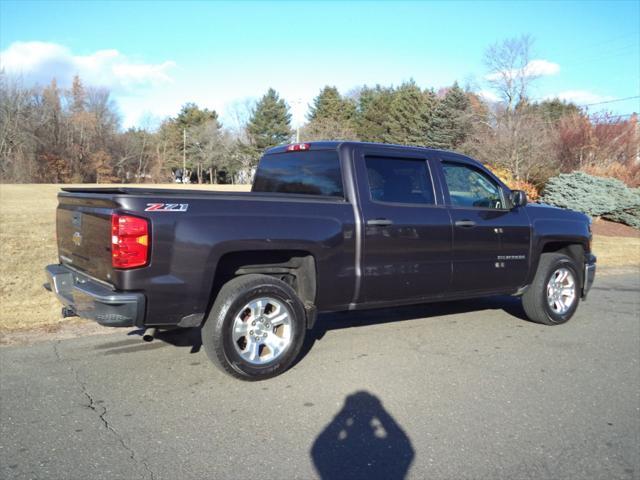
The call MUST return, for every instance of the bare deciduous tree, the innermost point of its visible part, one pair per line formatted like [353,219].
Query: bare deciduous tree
[509,70]
[515,139]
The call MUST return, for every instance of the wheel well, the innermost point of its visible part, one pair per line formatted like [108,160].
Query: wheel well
[295,268]
[574,250]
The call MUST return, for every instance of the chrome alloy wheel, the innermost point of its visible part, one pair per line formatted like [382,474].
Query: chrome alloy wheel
[262,330]
[561,291]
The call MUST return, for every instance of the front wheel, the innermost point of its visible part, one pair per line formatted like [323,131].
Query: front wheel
[554,294]
[255,328]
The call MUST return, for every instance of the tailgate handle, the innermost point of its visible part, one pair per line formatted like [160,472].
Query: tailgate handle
[465,223]
[379,222]
[76,219]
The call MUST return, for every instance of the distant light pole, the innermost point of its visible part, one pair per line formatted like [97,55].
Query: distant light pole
[297,101]
[184,153]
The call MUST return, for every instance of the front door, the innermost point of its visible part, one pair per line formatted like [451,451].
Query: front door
[490,240]
[406,232]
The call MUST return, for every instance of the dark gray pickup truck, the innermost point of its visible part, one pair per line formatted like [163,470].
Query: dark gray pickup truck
[328,226]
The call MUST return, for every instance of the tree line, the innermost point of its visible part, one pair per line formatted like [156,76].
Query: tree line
[49,134]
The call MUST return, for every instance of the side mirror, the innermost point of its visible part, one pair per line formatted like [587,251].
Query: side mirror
[518,198]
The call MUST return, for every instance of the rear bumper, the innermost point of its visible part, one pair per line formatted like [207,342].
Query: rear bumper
[88,298]
[589,274]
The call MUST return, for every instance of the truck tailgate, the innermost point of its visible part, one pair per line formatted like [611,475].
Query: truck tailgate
[83,226]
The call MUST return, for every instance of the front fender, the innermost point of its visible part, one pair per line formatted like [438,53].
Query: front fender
[553,234]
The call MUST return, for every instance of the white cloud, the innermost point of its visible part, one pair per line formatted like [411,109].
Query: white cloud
[535,68]
[39,62]
[489,96]
[581,97]
[541,68]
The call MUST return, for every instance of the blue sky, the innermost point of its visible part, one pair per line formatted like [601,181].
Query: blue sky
[155,56]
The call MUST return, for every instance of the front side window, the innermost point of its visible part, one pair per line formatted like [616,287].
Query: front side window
[309,173]
[471,188]
[399,180]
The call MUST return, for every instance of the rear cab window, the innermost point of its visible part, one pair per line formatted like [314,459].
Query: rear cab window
[399,180]
[307,173]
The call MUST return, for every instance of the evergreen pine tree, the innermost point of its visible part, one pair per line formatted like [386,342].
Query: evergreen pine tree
[409,115]
[193,116]
[329,105]
[270,123]
[373,114]
[331,117]
[451,122]
[553,110]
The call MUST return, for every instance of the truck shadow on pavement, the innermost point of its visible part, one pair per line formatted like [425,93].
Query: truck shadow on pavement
[190,337]
[178,337]
[338,320]
[363,441]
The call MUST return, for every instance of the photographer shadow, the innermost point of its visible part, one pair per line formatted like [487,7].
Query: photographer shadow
[362,441]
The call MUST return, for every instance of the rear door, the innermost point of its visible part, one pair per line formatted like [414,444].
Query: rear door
[407,232]
[490,240]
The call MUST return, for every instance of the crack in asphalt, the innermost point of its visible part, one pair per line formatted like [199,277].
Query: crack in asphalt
[95,407]
[92,405]
[56,351]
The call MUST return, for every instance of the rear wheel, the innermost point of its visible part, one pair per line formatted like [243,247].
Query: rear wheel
[554,295]
[255,328]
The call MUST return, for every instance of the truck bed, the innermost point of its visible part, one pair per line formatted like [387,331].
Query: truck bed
[122,193]
[145,191]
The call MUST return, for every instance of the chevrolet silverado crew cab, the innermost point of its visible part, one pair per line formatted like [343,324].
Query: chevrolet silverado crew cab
[328,226]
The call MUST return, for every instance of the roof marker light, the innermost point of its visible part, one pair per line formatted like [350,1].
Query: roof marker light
[298,147]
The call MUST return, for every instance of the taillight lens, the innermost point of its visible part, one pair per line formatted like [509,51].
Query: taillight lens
[129,241]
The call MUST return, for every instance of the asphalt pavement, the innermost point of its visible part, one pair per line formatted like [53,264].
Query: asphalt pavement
[466,390]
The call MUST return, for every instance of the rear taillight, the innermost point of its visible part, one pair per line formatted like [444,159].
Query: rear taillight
[129,241]
[298,147]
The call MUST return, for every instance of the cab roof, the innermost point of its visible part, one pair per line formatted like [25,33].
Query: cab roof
[335,144]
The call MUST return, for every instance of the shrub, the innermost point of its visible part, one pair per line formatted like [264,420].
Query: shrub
[528,188]
[504,175]
[594,196]
[629,217]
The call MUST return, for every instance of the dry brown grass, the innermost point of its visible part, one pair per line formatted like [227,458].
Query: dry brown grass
[28,243]
[617,251]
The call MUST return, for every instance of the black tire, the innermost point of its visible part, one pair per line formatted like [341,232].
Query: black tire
[217,336]
[534,300]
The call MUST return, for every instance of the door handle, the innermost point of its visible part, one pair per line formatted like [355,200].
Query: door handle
[465,223]
[379,222]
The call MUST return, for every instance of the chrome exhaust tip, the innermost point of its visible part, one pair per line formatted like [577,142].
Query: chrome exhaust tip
[149,334]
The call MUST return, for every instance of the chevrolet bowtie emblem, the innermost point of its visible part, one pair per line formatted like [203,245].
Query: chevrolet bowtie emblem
[77,239]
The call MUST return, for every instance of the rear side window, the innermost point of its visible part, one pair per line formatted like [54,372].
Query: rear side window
[309,173]
[398,180]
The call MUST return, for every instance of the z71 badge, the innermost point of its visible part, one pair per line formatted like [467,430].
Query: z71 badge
[166,207]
